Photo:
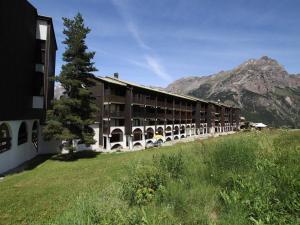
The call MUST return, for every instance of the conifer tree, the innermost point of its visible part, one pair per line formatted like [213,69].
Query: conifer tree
[71,115]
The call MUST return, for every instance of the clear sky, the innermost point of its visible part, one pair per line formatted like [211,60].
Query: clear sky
[155,42]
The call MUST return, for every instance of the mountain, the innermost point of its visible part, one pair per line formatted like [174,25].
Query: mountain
[261,87]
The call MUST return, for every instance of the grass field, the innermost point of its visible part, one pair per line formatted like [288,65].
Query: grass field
[245,178]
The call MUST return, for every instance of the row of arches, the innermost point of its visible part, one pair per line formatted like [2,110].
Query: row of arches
[6,135]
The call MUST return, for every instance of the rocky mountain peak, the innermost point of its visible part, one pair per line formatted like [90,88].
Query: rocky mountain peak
[262,87]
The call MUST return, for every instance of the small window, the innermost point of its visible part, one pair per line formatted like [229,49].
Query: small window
[35,135]
[22,135]
[5,139]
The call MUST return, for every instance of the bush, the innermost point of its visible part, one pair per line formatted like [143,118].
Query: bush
[142,184]
[172,165]
[237,155]
[270,195]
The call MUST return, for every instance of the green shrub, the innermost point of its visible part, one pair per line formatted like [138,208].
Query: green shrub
[142,184]
[235,154]
[172,165]
[269,196]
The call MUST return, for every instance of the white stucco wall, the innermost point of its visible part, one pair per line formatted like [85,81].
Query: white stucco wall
[17,154]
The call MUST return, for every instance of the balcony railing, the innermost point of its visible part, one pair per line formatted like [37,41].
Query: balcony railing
[177,106]
[160,103]
[169,105]
[150,115]
[114,114]
[114,98]
[151,102]
[177,116]
[138,100]
[169,116]
[161,115]
[138,114]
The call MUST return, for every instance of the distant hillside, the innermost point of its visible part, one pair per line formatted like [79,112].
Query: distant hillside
[262,88]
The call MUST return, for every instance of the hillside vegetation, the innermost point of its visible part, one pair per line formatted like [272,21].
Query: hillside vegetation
[246,178]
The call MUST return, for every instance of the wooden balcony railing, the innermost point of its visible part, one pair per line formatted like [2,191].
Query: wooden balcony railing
[138,114]
[151,102]
[177,116]
[138,100]
[161,115]
[116,114]
[150,115]
[177,106]
[114,98]
[160,104]
[169,105]
[169,116]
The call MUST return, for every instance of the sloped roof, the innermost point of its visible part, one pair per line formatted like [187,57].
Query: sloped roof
[127,83]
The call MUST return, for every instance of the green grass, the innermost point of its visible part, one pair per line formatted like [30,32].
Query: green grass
[246,178]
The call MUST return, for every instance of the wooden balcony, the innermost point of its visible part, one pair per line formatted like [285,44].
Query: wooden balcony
[169,105]
[115,114]
[151,102]
[138,100]
[150,115]
[169,116]
[177,106]
[138,114]
[161,115]
[177,116]
[114,98]
[160,104]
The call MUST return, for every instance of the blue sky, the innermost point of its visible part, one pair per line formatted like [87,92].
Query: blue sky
[156,42]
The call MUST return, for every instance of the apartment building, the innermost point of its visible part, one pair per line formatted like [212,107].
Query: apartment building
[130,115]
[28,50]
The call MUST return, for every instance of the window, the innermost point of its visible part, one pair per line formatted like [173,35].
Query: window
[5,139]
[22,135]
[35,135]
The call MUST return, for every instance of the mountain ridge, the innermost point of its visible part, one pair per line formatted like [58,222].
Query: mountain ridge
[261,87]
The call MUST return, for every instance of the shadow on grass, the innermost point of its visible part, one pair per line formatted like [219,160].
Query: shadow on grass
[40,159]
[29,165]
[75,156]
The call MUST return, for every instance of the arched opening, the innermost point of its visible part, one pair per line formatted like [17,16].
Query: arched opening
[168,129]
[160,131]
[182,130]
[137,135]
[116,136]
[176,138]
[149,133]
[168,139]
[182,136]
[149,144]
[5,138]
[188,130]
[137,145]
[22,134]
[116,147]
[193,130]
[176,130]
[35,135]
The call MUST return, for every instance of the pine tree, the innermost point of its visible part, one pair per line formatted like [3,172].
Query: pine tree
[71,116]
